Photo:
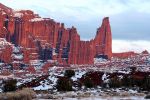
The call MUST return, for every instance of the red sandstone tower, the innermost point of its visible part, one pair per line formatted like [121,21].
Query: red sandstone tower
[83,52]
[103,39]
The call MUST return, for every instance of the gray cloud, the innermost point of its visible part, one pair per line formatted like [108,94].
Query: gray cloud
[131,25]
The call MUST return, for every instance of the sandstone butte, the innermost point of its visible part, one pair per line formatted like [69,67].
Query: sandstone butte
[46,39]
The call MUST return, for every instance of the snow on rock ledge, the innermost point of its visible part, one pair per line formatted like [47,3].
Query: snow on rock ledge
[100,60]
[18,14]
[20,56]
[36,19]
[3,43]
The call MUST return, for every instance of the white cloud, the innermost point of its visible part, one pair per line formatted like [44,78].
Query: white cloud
[81,10]
[140,5]
[126,45]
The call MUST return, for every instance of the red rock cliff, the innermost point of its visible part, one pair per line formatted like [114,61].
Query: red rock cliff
[43,38]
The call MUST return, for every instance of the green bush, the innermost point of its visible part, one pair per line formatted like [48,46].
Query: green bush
[69,73]
[64,84]
[9,85]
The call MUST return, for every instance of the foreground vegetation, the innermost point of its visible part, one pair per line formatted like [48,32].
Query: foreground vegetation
[67,81]
[24,94]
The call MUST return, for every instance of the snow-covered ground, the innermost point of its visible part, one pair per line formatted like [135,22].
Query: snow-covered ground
[98,94]
[108,98]
[122,66]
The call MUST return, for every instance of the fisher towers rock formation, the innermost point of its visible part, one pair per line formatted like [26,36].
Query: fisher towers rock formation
[103,39]
[45,39]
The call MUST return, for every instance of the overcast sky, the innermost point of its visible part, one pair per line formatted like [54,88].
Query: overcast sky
[129,19]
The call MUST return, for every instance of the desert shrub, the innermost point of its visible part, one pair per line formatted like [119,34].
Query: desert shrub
[25,94]
[77,84]
[127,81]
[9,85]
[115,82]
[130,81]
[146,83]
[147,97]
[64,84]
[133,69]
[92,79]
[88,83]
[69,73]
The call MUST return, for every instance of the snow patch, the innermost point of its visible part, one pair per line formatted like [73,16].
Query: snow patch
[43,87]
[78,75]
[15,49]
[100,60]
[105,78]
[16,56]
[36,19]
[18,14]
[35,62]
[4,43]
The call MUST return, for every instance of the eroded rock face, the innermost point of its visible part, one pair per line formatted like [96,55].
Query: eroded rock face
[5,51]
[43,38]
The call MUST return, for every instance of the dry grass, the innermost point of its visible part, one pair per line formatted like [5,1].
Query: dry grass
[24,94]
[124,94]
